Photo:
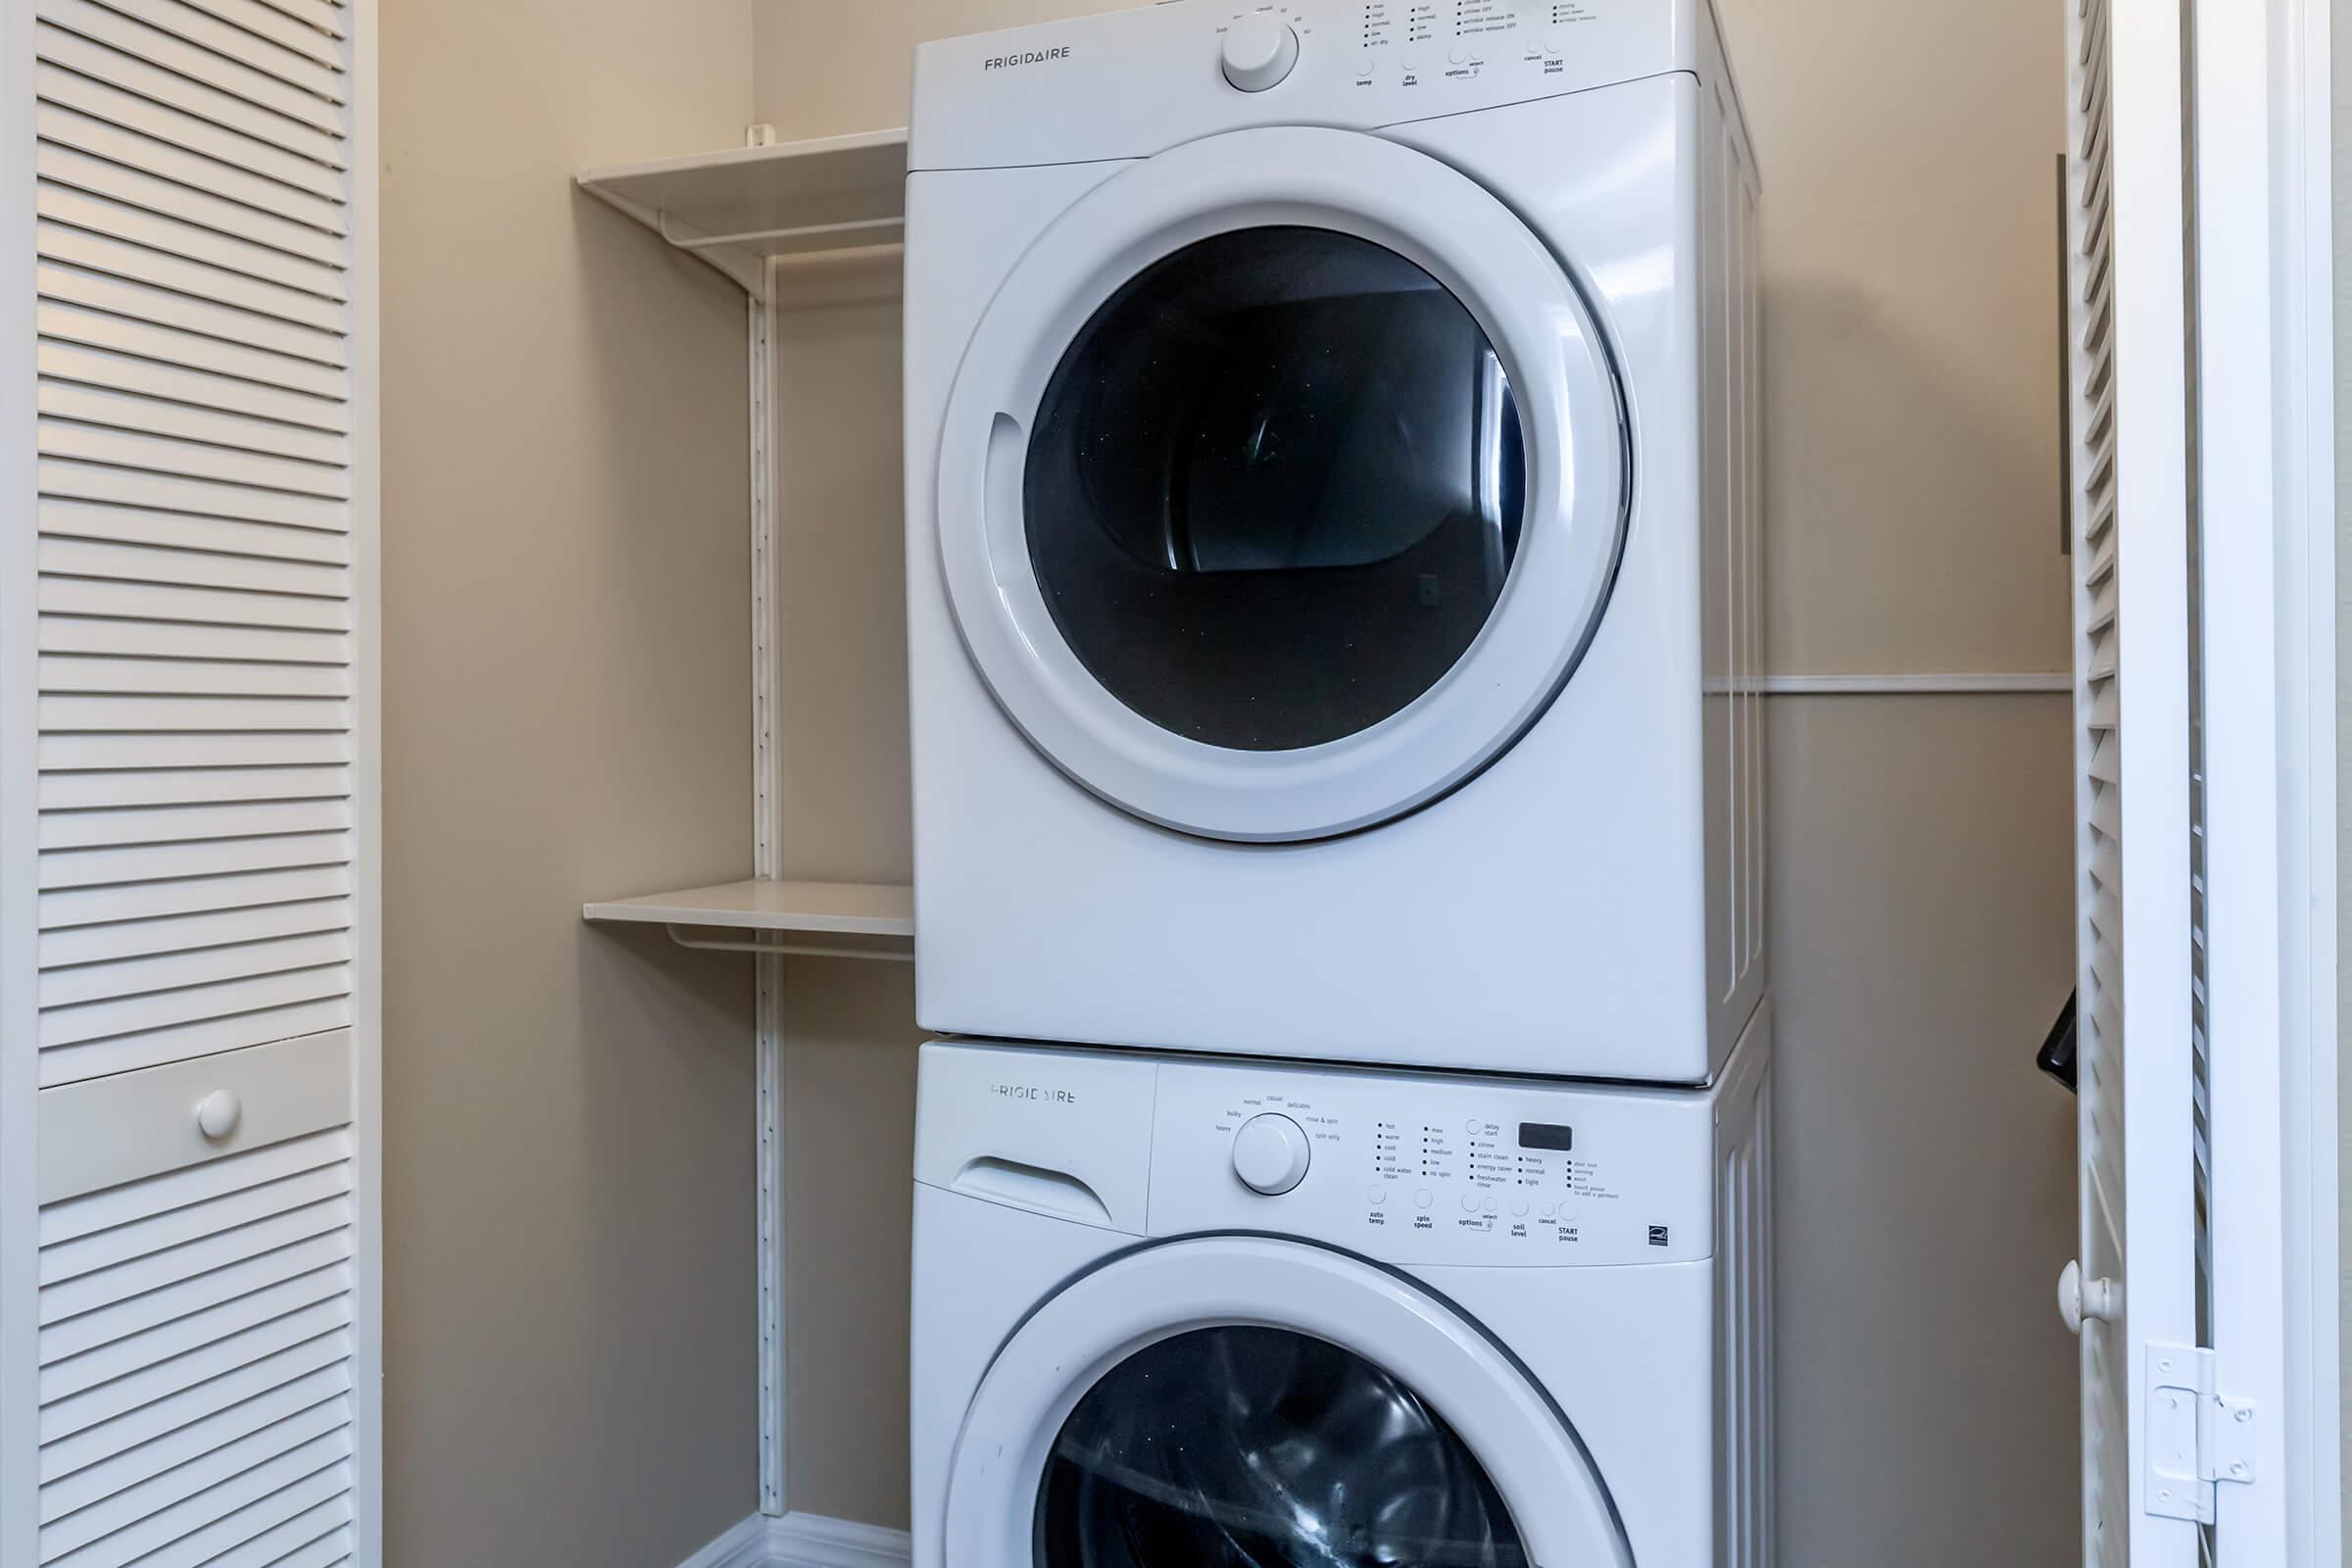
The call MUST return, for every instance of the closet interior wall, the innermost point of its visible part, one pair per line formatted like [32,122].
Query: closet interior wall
[570,1269]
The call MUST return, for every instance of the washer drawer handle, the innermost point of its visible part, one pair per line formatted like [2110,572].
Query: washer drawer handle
[218,1115]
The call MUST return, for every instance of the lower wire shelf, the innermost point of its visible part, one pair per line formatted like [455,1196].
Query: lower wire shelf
[818,919]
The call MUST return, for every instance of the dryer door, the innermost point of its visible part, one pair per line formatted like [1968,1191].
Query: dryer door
[1282,484]
[1240,1399]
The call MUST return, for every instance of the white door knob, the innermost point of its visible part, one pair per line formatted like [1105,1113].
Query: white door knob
[2081,1301]
[1259,53]
[1270,1155]
[218,1115]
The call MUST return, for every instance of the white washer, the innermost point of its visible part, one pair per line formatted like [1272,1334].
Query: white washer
[1332,495]
[1171,1311]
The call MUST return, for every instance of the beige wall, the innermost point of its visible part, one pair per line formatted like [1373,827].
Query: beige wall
[1910,313]
[1922,902]
[569,1170]
[1923,859]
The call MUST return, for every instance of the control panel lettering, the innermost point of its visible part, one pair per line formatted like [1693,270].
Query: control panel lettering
[1420,1171]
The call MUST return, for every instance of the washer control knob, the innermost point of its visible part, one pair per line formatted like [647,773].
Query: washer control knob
[1270,1155]
[1260,52]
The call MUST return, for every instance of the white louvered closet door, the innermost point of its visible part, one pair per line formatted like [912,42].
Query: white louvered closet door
[187,684]
[2129,327]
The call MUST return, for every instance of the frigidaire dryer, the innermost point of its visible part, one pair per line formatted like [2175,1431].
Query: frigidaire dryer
[1170,1313]
[1332,489]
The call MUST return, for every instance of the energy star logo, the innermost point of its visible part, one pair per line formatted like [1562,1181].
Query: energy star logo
[1027,57]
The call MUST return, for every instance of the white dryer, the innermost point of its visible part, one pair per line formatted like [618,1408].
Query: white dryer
[1332,488]
[1174,1312]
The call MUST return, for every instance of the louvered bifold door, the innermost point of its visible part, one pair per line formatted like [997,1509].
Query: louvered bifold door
[202,374]
[195,528]
[196,1311]
[2126,327]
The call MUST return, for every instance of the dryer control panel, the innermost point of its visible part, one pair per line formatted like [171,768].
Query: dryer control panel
[1130,83]
[1409,1168]
[1418,43]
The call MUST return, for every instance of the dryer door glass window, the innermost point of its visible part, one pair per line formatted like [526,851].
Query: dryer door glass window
[1274,488]
[1258,1448]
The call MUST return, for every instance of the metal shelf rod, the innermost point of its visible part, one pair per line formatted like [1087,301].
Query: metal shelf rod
[798,949]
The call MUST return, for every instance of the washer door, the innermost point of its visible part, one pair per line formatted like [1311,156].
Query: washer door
[1259,1404]
[1282,485]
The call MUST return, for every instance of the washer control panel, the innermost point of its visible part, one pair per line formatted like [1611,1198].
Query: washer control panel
[1434,1170]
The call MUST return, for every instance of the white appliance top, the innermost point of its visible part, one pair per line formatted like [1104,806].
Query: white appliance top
[1132,83]
[1409,1169]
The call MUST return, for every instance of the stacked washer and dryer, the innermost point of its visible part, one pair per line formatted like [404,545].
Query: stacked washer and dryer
[1333,554]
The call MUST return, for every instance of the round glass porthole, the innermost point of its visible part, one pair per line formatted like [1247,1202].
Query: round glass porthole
[1275,488]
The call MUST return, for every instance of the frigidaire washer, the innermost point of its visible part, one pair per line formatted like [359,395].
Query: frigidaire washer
[1171,1311]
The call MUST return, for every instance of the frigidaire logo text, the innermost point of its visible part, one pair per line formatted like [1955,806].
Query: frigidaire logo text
[1031,1092]
[1027,57]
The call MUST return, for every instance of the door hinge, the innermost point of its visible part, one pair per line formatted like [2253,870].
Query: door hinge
[2196,1439]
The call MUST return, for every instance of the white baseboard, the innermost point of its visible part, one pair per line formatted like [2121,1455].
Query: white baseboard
[744,1547]
[804,1540]
[809,1541]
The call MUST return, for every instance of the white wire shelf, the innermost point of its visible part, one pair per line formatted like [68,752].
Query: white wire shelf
[835,197]
[828,919]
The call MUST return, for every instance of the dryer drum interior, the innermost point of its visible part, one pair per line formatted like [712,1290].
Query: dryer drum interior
[1275,488]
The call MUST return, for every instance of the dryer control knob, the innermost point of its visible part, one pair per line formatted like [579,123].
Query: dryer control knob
[1259,53]
[1270,1155]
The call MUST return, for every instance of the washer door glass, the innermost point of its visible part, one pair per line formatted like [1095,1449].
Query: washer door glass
[1275,487]
[1259,1447]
